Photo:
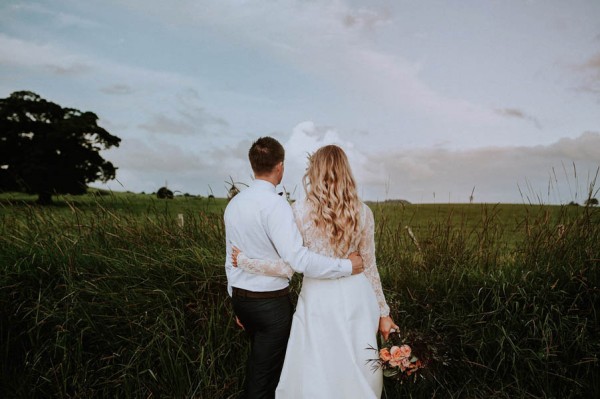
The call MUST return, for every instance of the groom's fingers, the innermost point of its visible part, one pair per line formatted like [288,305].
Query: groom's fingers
[239,323]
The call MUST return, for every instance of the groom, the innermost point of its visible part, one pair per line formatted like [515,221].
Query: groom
[261,224]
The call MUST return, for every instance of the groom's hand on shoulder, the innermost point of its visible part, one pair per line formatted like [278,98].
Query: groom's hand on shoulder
[357,263]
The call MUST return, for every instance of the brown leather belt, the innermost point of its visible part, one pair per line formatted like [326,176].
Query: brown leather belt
[260,295]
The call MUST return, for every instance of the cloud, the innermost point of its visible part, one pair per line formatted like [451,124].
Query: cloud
[69,70]
[556,173]
[60,18]
[158,156]
[22,53]
[60,61]
[590,71]
[164,124]
[517,113]
[118,89]
[149,163]
[146,164]
[592,64]
[305,139]
[543,172]
[496,172]
[330,40]
[191,118]
[365,19]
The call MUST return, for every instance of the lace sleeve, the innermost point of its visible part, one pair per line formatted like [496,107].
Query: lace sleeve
[367,251]
[276,268]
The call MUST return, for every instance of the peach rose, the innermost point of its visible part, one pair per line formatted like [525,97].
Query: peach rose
[384,354]
[395,352]
[405,351]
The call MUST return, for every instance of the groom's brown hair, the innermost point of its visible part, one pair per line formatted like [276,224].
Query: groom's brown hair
[265,153]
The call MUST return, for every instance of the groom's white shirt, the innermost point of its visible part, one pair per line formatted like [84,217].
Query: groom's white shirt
[261,224]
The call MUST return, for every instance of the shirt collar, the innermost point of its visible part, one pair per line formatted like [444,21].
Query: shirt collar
[263,185]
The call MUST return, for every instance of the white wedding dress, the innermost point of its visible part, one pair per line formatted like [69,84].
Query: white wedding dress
[335,322]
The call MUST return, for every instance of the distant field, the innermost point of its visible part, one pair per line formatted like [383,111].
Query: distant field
[509,218]
[112,296]
[131,203]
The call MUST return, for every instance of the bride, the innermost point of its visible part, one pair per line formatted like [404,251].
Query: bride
[335,320]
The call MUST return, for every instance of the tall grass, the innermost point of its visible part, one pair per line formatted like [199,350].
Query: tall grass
[520,318]
[114,298]
[110,304]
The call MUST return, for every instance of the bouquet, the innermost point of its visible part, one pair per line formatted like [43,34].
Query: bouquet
[408,356]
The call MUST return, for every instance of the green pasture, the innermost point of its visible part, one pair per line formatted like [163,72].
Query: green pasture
[117,295]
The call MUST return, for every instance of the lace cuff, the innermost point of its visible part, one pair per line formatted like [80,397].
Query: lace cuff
[275,268]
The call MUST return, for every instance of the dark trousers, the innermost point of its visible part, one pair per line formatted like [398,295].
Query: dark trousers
[268,323]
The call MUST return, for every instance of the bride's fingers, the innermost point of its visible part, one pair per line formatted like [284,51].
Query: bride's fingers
[234,254]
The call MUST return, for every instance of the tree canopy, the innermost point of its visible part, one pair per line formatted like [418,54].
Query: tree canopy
[46,149]
[591,201]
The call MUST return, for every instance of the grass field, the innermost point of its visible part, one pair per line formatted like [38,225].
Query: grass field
[112,296]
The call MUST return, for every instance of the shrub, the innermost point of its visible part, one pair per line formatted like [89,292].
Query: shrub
[164,193]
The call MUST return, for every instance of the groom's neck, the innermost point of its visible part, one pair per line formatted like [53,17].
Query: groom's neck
[270,178]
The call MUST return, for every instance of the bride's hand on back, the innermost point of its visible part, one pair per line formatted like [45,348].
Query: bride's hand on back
[386,326]
[235,251]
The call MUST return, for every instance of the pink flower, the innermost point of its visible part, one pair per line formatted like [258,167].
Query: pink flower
[395,352]
[405,351]
[401,352]
[384,354]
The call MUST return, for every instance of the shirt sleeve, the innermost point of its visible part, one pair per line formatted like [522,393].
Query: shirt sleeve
[367,251]
[286,238]
[276,268]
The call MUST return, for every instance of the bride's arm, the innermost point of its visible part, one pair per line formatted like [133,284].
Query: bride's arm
[275,268]
[367,251]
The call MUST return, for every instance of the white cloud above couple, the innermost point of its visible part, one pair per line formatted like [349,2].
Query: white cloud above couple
[559,172]
[305,139]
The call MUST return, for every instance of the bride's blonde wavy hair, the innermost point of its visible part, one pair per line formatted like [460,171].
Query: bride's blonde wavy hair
[331,194]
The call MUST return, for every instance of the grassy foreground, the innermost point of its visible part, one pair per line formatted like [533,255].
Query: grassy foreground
[113,297]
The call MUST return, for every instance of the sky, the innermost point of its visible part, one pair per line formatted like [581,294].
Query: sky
[433,101]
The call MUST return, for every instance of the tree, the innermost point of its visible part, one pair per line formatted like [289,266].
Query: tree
[46,149]
[591,202]
[164,193]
